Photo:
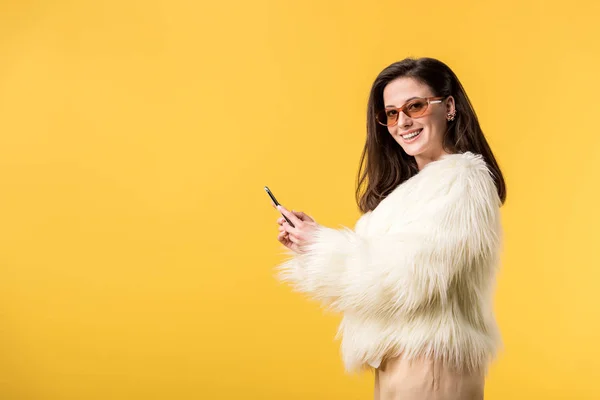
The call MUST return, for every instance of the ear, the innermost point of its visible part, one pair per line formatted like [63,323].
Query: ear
[450,105]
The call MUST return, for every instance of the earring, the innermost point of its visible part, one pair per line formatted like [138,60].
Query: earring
[451,116]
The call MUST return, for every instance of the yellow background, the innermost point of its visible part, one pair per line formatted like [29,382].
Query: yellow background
[137,245]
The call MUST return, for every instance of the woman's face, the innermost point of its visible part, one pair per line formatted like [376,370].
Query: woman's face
[427,145]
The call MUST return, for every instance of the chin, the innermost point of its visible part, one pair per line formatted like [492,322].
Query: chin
[416,148]
[413,151]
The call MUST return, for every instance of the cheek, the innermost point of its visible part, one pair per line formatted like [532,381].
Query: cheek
[437,124]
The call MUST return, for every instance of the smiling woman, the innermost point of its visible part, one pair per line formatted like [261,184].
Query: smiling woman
[421,96]
[414,280]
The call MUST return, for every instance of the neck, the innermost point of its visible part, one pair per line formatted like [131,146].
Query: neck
[424,159]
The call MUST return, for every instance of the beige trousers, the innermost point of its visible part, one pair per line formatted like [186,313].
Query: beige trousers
[425,379]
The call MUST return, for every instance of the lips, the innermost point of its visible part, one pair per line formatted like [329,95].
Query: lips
[410,135]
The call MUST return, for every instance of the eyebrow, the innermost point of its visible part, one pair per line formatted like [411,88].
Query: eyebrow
[412,98]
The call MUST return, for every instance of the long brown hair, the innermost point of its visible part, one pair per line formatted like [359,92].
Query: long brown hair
[384,165]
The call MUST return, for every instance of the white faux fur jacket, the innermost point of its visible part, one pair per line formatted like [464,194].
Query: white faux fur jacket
[416,277]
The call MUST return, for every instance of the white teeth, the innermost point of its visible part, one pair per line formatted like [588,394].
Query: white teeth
[411,135]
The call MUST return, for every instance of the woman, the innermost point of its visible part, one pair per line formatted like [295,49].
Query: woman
[415,278]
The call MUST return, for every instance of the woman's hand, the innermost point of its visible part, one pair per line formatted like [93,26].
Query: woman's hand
[296,238]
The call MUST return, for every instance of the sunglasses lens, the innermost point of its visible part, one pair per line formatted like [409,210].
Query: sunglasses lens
[416,108]
[387,117]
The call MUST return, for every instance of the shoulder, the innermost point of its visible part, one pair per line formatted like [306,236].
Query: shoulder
[460,178]
[468,170]
[467,163]
[360,225]
[453,185]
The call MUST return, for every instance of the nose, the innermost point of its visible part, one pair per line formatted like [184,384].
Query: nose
[404,120]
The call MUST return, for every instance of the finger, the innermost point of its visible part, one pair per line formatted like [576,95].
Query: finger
[290,215]
[280,220]
[290,229]
[283,238]
[294,239]
[302,216]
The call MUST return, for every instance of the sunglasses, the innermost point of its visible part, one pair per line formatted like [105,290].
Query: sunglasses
[414,108]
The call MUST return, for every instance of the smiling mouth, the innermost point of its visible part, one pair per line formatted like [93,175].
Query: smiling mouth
[409,137]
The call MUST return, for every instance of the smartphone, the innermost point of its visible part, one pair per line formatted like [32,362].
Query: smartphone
[277,204]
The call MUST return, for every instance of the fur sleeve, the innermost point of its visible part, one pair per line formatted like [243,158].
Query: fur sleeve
[406,268]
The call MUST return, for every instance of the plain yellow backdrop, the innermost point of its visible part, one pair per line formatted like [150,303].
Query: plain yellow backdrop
[137,245]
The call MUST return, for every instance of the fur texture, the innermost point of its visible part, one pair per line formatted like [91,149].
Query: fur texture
[416,275]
